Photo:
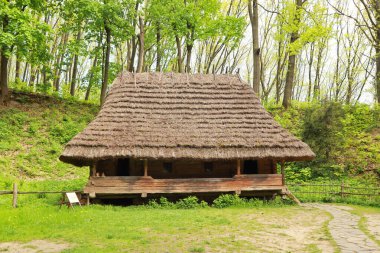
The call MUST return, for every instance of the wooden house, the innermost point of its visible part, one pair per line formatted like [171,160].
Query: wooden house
[170,133]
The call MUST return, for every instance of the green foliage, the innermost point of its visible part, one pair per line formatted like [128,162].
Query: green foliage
[227,200]
[322,130]
[310,26]
[345,139]
[190,202]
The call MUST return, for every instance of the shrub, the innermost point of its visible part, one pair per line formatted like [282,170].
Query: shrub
[190,202]
[226,200]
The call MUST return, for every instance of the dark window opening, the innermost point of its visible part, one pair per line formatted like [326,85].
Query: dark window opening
[250,167]
[168,167]
[208,166]
[123,167]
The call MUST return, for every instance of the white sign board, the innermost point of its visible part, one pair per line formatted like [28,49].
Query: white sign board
[72,197]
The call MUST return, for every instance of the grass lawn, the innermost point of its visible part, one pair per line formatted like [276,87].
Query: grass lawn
[140,229]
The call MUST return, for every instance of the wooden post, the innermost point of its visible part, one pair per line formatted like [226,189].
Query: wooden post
[274,167]
[283,172]
[93,169]
[145,167]
[87,199]
[14,195]
[238,167]
[342,190]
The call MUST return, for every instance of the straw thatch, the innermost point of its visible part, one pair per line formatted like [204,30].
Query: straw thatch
[170,115]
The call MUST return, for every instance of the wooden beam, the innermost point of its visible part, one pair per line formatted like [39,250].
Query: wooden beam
[145,167]
[283,171]
[238,167]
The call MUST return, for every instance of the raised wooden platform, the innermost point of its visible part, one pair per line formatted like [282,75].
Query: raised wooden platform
[148,185]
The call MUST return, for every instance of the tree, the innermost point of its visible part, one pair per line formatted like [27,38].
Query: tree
[368,21]
[303,27]
[254,18]
[22,30]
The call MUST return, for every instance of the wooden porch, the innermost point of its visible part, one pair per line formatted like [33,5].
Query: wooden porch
[144,185]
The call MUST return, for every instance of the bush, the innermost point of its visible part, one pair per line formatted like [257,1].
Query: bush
[226,200]
[190,202]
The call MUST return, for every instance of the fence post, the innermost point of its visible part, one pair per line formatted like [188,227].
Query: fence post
[14,195]
[342,190]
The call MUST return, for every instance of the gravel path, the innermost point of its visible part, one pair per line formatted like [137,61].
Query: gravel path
[344,229]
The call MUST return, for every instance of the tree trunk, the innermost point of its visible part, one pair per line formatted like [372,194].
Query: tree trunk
[179,54]
[25,72]
[317,82]
[377,49]
[378,70]
[133,40]
[158,41]
[311,60]
[278,73]
[58,67]
[292,60]
[17,74]
[254,18]
[106,65]
[4,78]
[75,67]
[140,61]
[91,79]
[4,67]
[189,49]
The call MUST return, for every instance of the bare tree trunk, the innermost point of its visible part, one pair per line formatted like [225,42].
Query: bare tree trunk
[179,54]
[4,67]
[25,72]
[158,41]
[254,18]
[377,49]
[4,78]
[292,60]
[58,67]
[106,65]
[17,74]
[278,73]
[133,41]
[141,36]
[317,87]
[91,79]
[310,60]
[75,67]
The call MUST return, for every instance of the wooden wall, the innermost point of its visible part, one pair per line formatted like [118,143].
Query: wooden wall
[180,168]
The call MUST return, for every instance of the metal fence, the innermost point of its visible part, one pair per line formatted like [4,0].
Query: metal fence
[333,192]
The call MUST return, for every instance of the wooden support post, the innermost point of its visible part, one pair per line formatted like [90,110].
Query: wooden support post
[14,195]
[274,167]
[283,172]
[238,167]
[145,167]
[93,169]
[87,199]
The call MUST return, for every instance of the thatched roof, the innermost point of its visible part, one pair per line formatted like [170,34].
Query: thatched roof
[170,115]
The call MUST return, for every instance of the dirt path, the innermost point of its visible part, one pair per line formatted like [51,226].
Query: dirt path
[344,229]
[36,246]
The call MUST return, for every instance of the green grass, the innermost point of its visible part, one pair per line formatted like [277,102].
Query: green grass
[33,131]
[140,229]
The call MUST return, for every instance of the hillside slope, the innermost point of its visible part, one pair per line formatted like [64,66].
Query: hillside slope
[33,131]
